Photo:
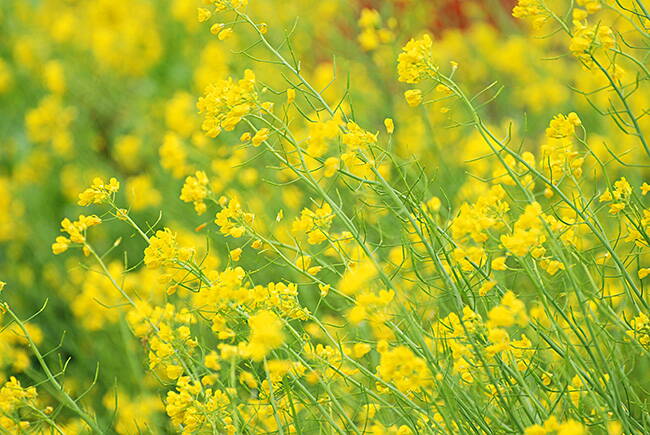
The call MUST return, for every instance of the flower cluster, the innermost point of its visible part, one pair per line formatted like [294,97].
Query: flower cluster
[532,9]
[588,39]
[224,4]
[232,219]
[319,134]
[356,138]
[415,62]
[314,223]
[266,334]
[76,232]
[50,123]
[559,156]
[99,191]
[372,33]
[14,352]
[618,196]
[196,409]
[402,368]
[166,254]
[640,330]
[529,233]
[225,103]
[552,425]
[374,307]
[195,190]
[13,397]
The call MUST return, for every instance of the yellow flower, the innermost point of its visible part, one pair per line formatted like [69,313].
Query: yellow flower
[606,196]
[98,192]
[406,371]
[535,429]
[211,361]
[320,133]
[225,34]
[226,102]
[509,312]
[324,289]
[331,166]
[551,266]
[260,136]
[196,190]
[499,263]
[531,9]
[227,4]
[173,155]
[390,125]
[14,396]
[60,245]
[162,250]
[413,97]
[571,427]
[76,232]
[49,123]
[414,63]
[291,95]
[358,138]
[247,378]
[359,350]
[616,207]
[640,329]
[559,156]
[173,371]
[486,287]
[614,428]
[528,231]
[54,77]
[266,334]
[314,223]
[231,218]
[499,341]
[235,254]
[216,28]
[645,188]
[141,193]
[203,14]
